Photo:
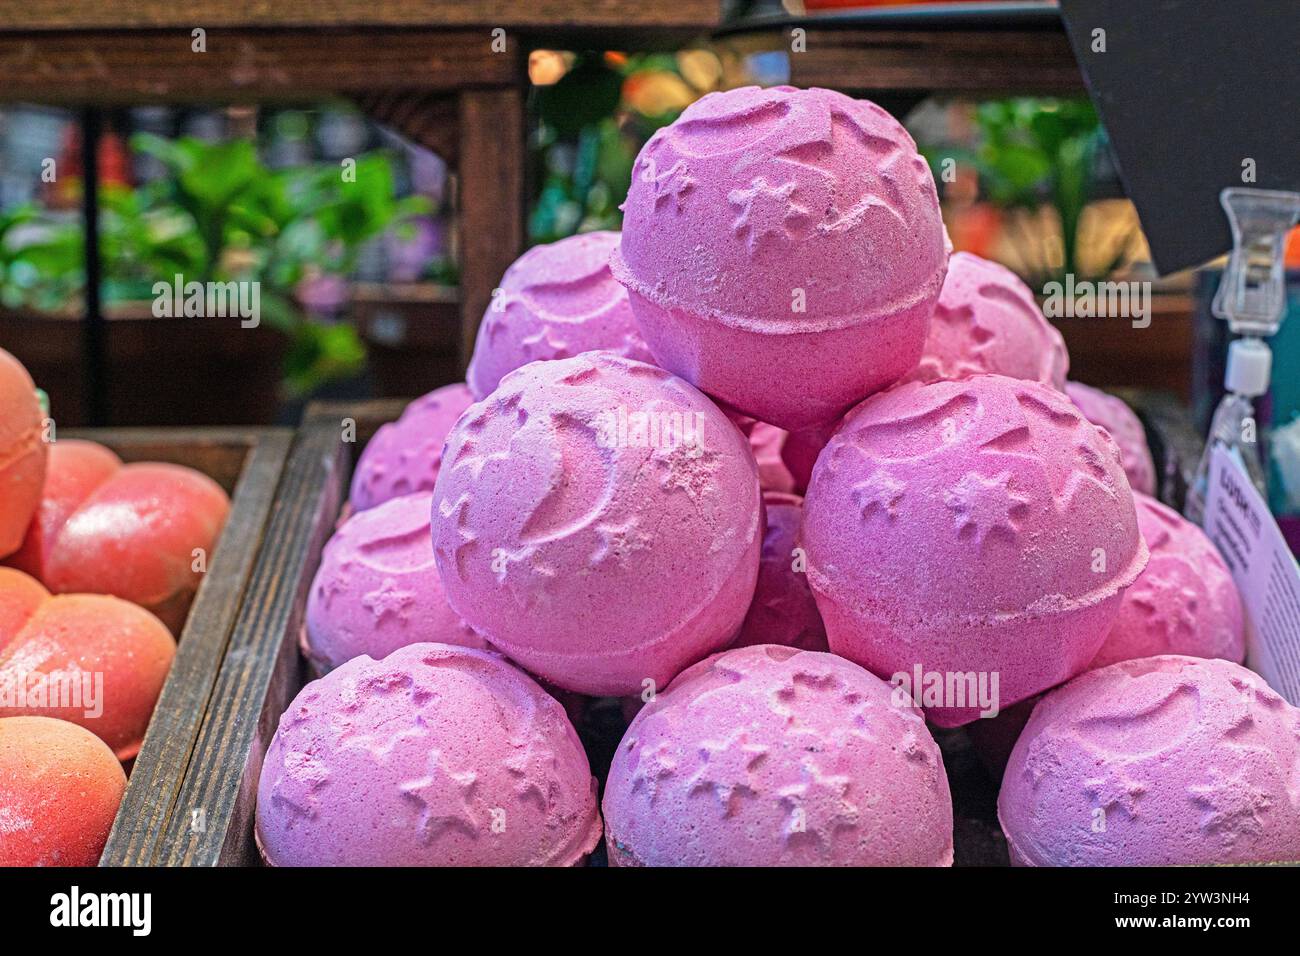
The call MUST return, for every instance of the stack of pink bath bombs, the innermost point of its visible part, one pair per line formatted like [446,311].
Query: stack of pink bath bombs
[615,512]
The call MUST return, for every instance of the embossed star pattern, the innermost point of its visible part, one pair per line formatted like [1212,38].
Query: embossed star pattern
[444,799]
[725,769]
[765,211]
[878,492]
[387,599]
[986,505]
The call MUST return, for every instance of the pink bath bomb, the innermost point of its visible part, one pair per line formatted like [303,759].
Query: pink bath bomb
[766,442]
[377,588]
[783,610]
[783,250]
[404,456]
[1166,760]
[598,520]
[1185,602]
[555,302]
[988,321]
[1114,415]
[981,527]
[433,756]
[772,756]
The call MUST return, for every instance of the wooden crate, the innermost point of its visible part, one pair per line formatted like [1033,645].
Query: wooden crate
[263,670]
[247,464]
[213,819]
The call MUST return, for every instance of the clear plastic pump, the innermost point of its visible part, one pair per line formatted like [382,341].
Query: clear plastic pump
[1252,298]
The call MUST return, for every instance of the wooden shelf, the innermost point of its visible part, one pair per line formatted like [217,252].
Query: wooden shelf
[960,48]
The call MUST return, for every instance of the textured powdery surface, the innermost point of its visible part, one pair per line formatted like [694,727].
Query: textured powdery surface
[762,216]
[404,456]
[556,301]
[1114,415]
[597,519]
[987,321]
[1164,760]
[783,610]
[767,756]
[973,526]
[377,588]
[434,756]
[1184,602]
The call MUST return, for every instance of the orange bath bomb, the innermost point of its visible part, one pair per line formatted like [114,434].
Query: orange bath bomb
[126,530]
[22,452]
[90,659]
[59,792]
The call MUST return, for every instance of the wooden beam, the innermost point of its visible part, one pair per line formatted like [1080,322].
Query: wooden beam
[492,201]
[510,14]
[428,119]
[966,61]
[243,65]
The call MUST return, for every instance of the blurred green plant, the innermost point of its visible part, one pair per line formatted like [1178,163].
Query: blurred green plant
[221,215]
[1036,151]
[593,122]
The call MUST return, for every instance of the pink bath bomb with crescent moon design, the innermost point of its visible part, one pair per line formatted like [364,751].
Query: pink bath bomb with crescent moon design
[976,527]
[404,456]
[433,756]
[1160,761]
[783,250]
[1185,602]
[783,610]
[377,588]
[1114,415]
[556,301]
[987,321]
[772,756]
[598,520]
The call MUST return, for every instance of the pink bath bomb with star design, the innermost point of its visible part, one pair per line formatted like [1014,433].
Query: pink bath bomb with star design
[433,756]
[598,520]
[1185,602]
[773,756]
[377,588]
[783,250]
[783,610]
[1160,761]
[987,321]
[972,527]
[1114,415]
[404,456]
[556,301]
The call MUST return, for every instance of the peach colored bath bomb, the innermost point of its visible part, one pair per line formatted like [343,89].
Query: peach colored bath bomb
[90,659]
[405,455]
[772,756]
[977,527]
[60,787]
[1185,602]
[598,520]
[22,453]
[783,250]
[126,530]
[1166,760]
[434,756]
[377,588]
[988,321]
[1114,415]
[783,610]
[555,302]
